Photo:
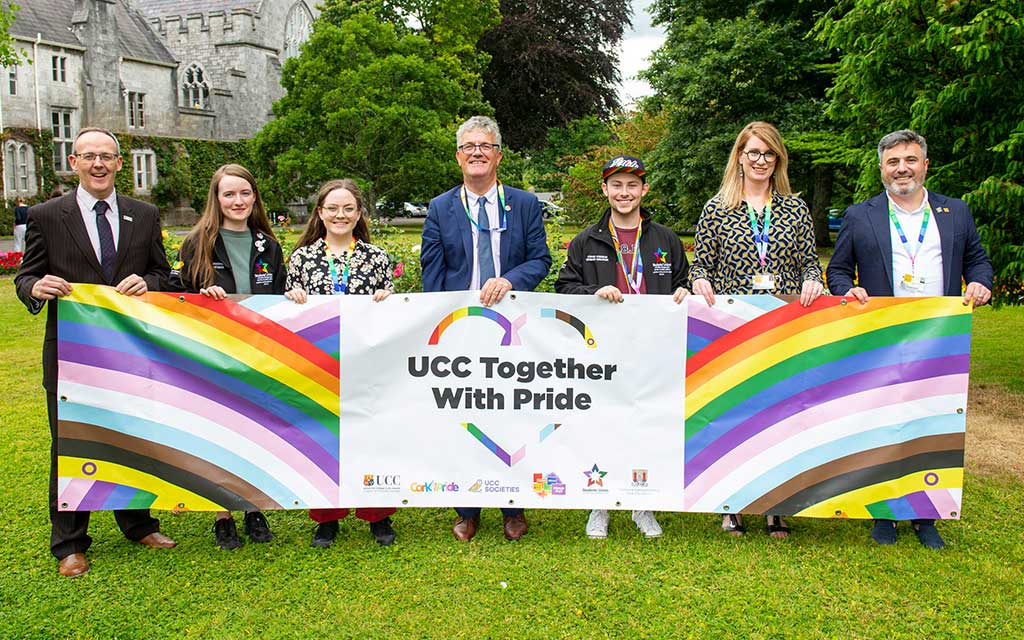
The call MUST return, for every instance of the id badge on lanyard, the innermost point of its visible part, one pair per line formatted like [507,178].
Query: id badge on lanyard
[762,281]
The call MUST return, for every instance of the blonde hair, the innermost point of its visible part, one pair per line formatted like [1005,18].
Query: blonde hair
[731,190]
[203,236]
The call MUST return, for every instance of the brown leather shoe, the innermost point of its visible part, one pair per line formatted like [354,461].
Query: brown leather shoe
[465,528]
[74,565]
[515,526]
[157,540]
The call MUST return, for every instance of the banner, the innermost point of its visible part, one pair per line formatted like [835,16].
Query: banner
[756,405]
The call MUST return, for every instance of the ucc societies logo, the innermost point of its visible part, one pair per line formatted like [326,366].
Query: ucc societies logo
[524,372]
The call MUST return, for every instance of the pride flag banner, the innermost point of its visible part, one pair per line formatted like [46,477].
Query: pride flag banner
[756,405]
[840,410]
[181,402]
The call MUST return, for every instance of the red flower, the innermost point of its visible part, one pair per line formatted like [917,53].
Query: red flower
[399,269]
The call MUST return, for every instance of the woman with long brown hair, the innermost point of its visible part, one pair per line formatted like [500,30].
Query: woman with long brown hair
[232,249]
[334,257]
[755,236]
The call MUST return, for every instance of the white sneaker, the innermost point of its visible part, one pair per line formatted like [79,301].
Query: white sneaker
[597,525]
[647,524]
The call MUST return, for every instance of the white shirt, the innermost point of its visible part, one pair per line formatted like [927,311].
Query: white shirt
[928,263]
[472,199]
[86,202]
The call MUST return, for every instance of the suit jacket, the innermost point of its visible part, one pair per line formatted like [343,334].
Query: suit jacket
[864,247]
[56,243]
[446,252]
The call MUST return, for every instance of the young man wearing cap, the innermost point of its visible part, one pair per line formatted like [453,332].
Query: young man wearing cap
[624,253]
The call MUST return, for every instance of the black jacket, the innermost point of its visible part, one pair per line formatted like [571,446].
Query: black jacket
[591,262]
[267,272]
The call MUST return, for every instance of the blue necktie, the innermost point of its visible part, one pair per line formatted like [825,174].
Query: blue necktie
[108,253]
[483,244]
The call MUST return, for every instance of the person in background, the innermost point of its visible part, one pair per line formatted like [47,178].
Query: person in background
[20,224]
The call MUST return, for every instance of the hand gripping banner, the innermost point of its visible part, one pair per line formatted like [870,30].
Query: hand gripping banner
[757,405]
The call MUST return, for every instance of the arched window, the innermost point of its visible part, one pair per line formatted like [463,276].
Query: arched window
[20,168]
[195,89]
[297,28]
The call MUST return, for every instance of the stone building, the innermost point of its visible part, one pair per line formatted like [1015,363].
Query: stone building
[208,69]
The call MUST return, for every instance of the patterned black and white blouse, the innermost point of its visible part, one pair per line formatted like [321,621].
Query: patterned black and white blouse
[369,270]
[725,255]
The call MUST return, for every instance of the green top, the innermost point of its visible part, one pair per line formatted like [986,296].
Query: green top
[239,247]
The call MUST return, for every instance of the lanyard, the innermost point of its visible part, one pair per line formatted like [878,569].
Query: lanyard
[903,237]
[761,236]
[638,263]
[340,286]
[503,217]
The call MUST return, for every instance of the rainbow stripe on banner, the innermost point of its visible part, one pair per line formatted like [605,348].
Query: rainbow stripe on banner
[836,410]
[181,402]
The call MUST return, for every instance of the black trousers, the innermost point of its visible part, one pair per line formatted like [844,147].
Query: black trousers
[69,530]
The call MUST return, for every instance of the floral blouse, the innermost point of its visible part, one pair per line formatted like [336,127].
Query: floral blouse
[725,255]
[369,269]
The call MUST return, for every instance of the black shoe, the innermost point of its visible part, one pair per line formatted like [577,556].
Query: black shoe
[382,532]
[225,534]
[325,534]
[257,527]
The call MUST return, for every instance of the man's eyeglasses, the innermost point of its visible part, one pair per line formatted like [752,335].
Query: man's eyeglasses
[769,156]
[486,147]
[105,158]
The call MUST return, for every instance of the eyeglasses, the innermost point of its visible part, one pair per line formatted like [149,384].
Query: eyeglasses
[105,158]
[333,210]
[486,147]
[754,155]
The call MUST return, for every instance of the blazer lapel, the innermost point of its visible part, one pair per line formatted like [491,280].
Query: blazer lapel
[126,229]
[72,217]
[947,229]
[505,237]
[458,213]
[878,216]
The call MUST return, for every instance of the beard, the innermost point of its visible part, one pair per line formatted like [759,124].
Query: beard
[905,189]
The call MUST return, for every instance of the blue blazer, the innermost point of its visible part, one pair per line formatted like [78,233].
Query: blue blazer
[864,247]
[446,252]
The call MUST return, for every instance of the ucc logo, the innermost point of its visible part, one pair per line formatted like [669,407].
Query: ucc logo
[371,480]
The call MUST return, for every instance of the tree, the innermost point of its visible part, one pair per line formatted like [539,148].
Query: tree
[550,166]
[951,71]
[633,134]
[9,55]
[725,64]
[552,61]
[372,102]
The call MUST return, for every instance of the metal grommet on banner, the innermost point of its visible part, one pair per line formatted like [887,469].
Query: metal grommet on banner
[181,298]
[405,501]
[730,301]
[512,295]
[618,504]
[63,398]
[842,302]
[960,410]
[181,505]
[725,507]
[406,299]
[954,514]
[511,502]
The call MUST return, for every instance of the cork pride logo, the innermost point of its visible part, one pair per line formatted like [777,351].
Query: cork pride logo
[510,336]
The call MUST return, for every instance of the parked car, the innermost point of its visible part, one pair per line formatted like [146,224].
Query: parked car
[549,209]
[414,209]
[835,219]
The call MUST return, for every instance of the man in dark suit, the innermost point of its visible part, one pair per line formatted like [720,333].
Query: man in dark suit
[907,242]
[482,235]
[89,235]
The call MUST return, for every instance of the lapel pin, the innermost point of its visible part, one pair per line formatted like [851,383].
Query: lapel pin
[126,218]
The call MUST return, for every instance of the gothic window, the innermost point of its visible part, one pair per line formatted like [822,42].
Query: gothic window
[20,168]
[195,88]
[296,28]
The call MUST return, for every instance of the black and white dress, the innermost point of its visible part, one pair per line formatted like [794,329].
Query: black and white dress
[369,269]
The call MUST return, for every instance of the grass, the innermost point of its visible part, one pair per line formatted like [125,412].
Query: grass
[828,580]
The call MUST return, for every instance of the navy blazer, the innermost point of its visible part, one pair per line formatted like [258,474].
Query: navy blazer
[864,247]
[446,251]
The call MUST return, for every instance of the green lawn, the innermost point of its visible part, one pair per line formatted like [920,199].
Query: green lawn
[828,580]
